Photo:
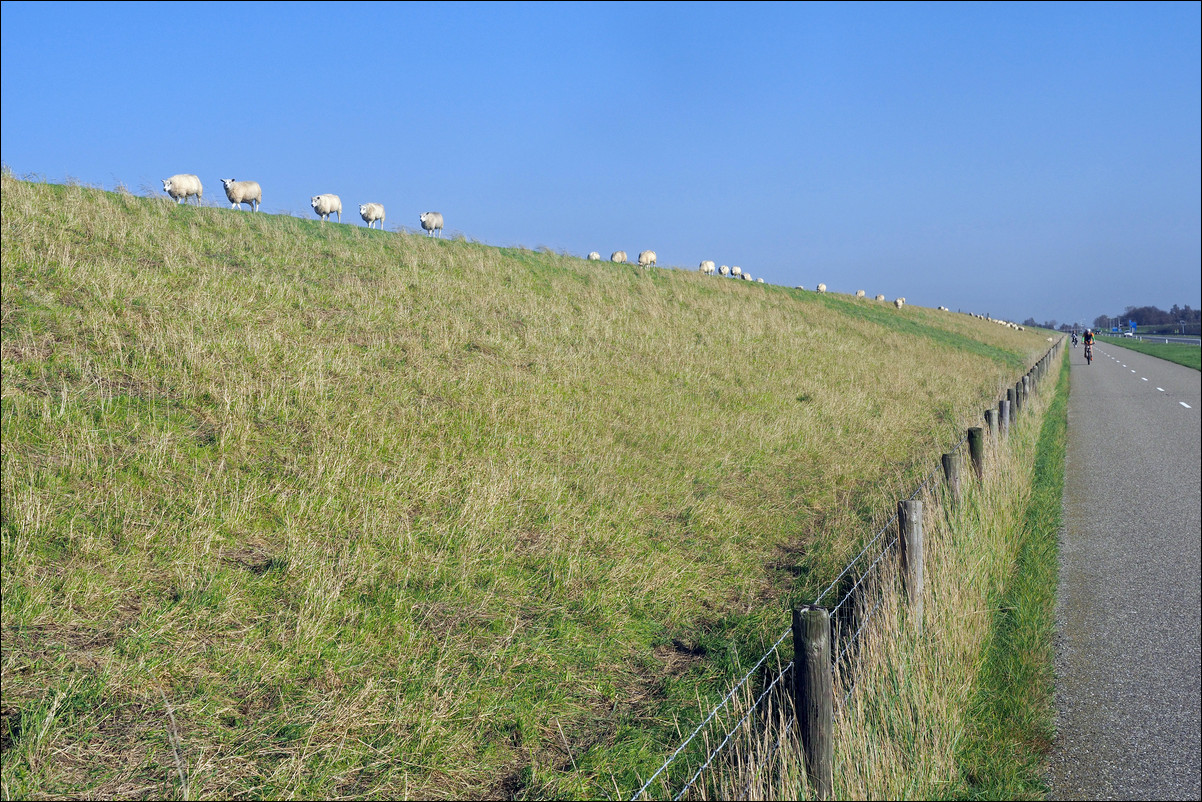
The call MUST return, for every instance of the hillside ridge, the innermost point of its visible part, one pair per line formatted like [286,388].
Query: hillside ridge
[379,514]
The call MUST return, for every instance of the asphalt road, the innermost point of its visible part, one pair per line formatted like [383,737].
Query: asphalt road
[1129,613]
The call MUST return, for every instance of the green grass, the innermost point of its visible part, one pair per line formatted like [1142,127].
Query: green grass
[1182,354]
[956,704]
[368,514]
[1012,716]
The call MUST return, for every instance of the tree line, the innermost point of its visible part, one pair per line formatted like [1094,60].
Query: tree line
[1152,319]
[1155,320]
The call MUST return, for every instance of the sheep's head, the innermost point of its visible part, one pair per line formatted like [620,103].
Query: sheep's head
[166,184]
[225,182]
[313,201]
[363,208]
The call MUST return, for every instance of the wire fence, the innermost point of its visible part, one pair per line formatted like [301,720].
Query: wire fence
[858,598]
[696,755]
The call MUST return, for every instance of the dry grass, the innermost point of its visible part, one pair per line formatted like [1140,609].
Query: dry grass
[905,695]
[373,515]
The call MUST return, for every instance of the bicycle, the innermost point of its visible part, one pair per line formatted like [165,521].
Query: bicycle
[1088,353]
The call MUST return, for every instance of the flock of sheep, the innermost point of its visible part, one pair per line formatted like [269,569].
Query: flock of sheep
[707,267]
[185,185]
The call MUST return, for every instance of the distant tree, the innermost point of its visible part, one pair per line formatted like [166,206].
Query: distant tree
[1066,327]
[1151,317]
[1147,315]
[1050,324]
[1030,322]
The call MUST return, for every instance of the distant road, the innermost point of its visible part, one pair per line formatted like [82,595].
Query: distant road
[1129,614]
[1162,338]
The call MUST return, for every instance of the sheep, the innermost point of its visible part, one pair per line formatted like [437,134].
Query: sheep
[618,257]
[182,186]
[880,297]
[707,267]
[647,259]
[745,276]
[723,271]
[240,192]
[371,212]
[431,221]
[759,281]
[593,256]
[821,288]
[326,205]
[736,271]
[899,303]
[860,293]
[799,287]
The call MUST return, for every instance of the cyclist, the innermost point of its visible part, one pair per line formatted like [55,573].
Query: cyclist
[1074,339]
[1088,338]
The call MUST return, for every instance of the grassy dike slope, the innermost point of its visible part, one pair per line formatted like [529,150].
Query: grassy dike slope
[303,510]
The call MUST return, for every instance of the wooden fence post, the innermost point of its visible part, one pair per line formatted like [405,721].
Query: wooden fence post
[951,471]
[1017,406]
[909,536]
[1026,388]
[976,449]
[1003,416]
[814,694]
[991,423]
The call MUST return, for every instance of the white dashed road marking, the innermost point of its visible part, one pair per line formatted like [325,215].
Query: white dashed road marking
[1161,389]
[1187,406]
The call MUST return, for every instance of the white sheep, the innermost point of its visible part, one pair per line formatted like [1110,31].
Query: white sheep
[182,186]
[821,288]
[880,297]
[618,257]
[899,303]
[431,222]
[240,192]
[707,267]
[860,293]
[745,276]
[326,205]
[723,271]
[371,212]
[759,281]
[736,271]
[647,259]
[593,256]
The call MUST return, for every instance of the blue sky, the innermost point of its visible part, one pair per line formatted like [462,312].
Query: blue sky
[1018,159]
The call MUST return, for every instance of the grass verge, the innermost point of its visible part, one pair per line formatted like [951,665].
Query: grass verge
[1182,354]
[1011,724]
[959,704]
